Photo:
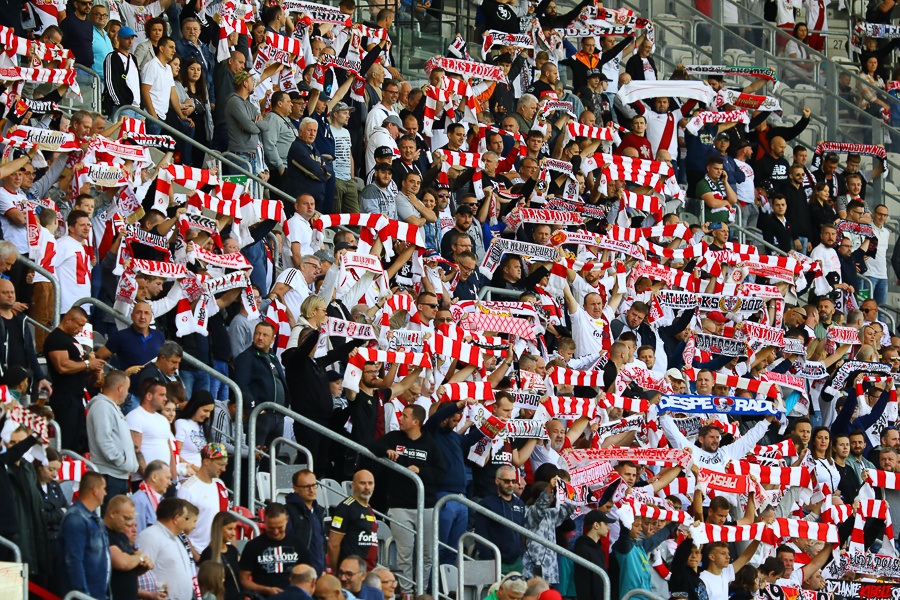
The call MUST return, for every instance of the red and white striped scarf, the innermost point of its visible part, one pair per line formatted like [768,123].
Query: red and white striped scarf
[201,200]
[754,385]
[604,134]
[805,530]
[652,512]
[869,508]
[464,390]
[291,45]
[705,117]
[632,164]
[678,254]
[354,368]
[189,177]
[783,476]
[661,457]
[570,407]
[785,448]
[881,479]
[706,533]
[500,324]
[564,376]
[454,158]
[278,317]
[609,400]
[633,234]
[22,136]
[642,202]
[447,92]
[39,52]
[57,76]
[456,348]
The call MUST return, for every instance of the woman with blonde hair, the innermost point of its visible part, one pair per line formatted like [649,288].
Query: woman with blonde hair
[221,550]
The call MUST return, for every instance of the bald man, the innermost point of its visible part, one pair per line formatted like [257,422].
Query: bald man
[303,584]
[20,349]
[328,587]
[353,525]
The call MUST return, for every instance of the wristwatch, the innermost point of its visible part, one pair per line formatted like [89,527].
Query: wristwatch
[143,558]
[87,365]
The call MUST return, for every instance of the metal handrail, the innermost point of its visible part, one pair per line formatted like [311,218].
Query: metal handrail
[890,313]
[76,456]
[57,439]
[209,151]
[12,546]
[17,553]
[54,281]
[758,239]
[527,533]
[335,437]
[461,559]
[246,521]
[76,595]
[643,593]
[274,463]
[490,291]
[196,364]
[36,324]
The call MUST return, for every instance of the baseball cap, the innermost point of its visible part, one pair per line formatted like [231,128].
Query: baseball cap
[296,96]
[344,246]
[723,136]
[240,77]
[126,32]
[213,451]
[325,256]
[717,316]
[675,374]
[464,210]
[383,167]
[384,152]
[504,58]
[597,516]
[739,145]
[334,376]
[343,106]
[394,120]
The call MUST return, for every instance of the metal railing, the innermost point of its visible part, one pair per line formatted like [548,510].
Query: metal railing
[89,101]
[527,533]
[57,439]
[642,593]
[757,239]
[76,595]
[76,456]
[209,151]
[17,553]
[461,559]
[196,364]
[419,551]
[273,460]
[488,292]
[54,281]
[246,521]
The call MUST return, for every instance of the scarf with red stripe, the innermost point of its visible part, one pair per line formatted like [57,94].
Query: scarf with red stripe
[465,390]
[278,317]
[354,367]
[662,457]
[189,177]
[782,476]
[456,348]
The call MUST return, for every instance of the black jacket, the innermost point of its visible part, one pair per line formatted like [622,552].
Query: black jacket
[300,521]
[310,394]
[25,354]
[116,92]
[588,585]
[777,233]
[9,526]
[256,375]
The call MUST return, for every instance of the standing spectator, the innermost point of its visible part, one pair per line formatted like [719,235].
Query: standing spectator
[776,228]
[306,169]
[221,549]
[631,553]
[134,346]
[78,32]
[346,198]
[798,207]
[157,478]
[172,564]
[354,530]
[55,503]
[306,517]
[16,336]
[190,46]
[193,431]
[42,292]
[589,585]
[73,265]
[127,562]
[268,559]
[352,573]
[641,66]
[417,451]
[243,121]
[71,371]
[821,207]
[261,378]
[145,48]
[876,258]
[12,212]
[122,75]
[195,87]
[101,44]
[207,492]
[165,367]
[158,84]
[150,431]
[28,506]
[279,136]
[83,545]
[223,82]
[801,69]
[108,434]
[511,507]
[299,241]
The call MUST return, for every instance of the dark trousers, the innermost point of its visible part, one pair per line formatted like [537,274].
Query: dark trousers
[69,412]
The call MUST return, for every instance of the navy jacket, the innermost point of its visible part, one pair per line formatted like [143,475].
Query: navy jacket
[292,593]
[202,53]
[305,171]
[453,448]
[508,541]
[256,378]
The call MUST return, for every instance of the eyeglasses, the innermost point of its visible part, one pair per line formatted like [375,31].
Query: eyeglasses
[868,310]
[347,574]
[370,372]
[881,214]
[450,320]
[311,264]
[429,305]
[502,480]
[311,486]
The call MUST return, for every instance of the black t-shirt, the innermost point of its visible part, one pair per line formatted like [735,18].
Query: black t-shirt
[15,345]
[364,411]
[65,386]
[484,478]
[357,523]
[124,584]
[230,561]
[270,562]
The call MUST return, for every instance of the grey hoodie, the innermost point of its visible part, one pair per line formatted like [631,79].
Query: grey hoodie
[109,439]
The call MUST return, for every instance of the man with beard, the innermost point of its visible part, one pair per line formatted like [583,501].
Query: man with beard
[560,443]
[827,256]
[856,460]
[710,455]
[353,526]
[850,479]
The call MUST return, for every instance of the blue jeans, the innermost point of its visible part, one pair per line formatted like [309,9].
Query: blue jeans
[245,158]
[454,520]
[803,241]
[152,128]
[131,403]
[879,294]
[194,381]
[218,389]
[255,254]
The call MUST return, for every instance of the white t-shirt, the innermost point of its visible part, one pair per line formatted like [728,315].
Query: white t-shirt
[159,77]
[12,232]
[298,292]
[878,265]
[155,432]
[717,585]
[73,268]
[135,17]
[204,496]
[301,232]
[342,153]
[588,331]
[190,434]
[45,254]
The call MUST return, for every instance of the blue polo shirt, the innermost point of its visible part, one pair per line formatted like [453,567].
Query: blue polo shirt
[131,348]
